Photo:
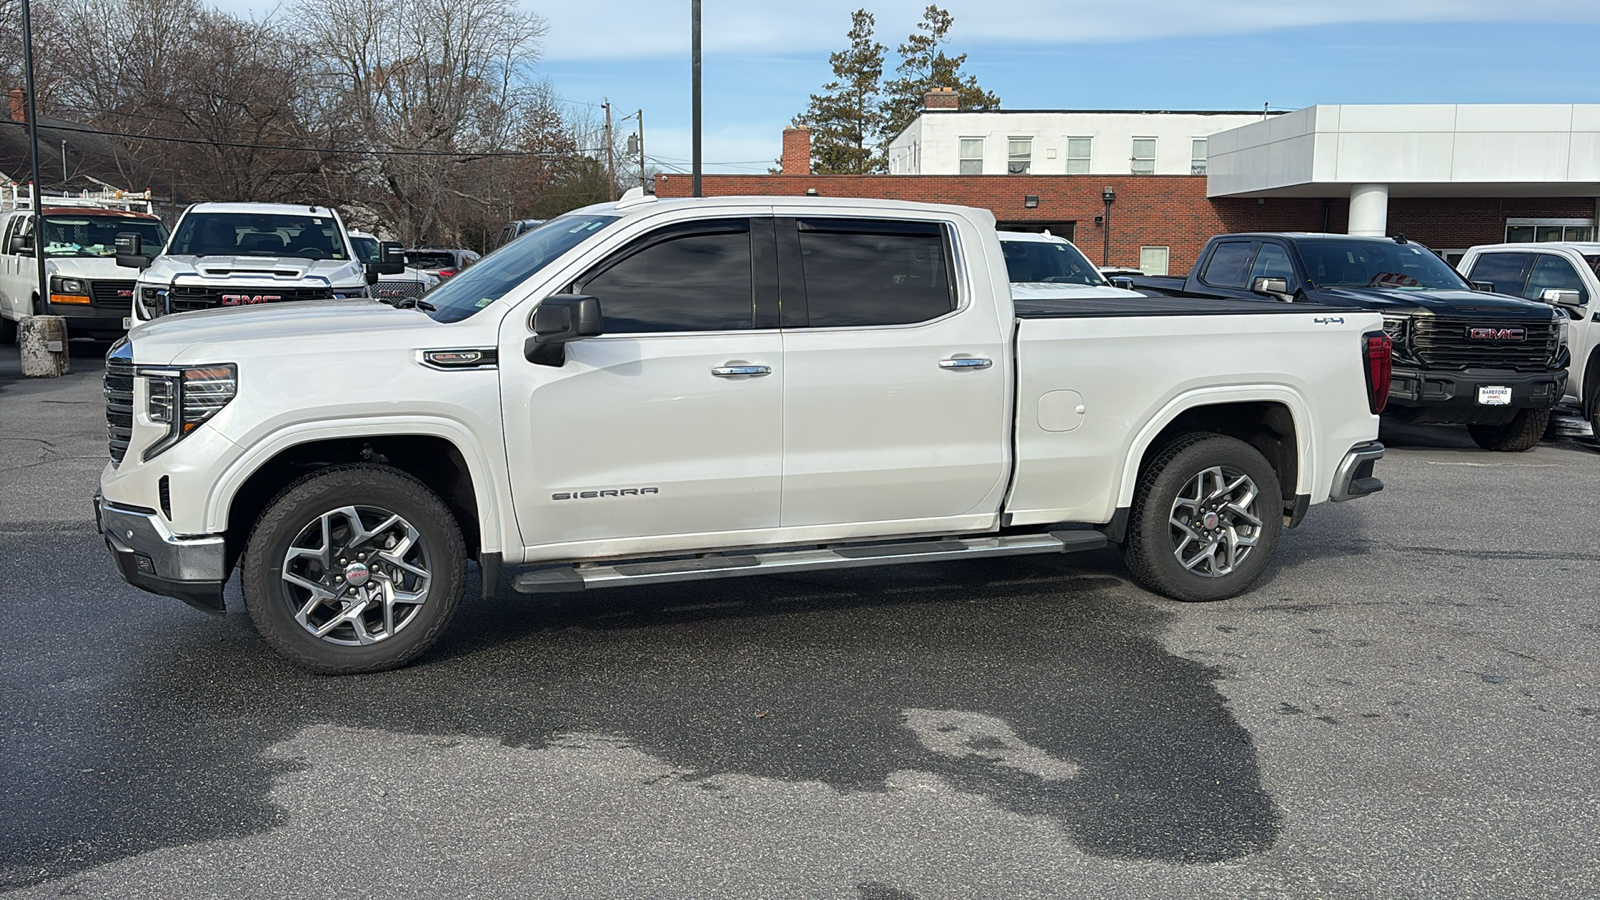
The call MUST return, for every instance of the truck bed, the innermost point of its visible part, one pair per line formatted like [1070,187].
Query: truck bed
[1123,307]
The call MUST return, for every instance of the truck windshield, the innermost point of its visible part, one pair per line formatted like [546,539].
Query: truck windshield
[91,235]
[1049,262]
[499,272]
[1382,263]
[258,234]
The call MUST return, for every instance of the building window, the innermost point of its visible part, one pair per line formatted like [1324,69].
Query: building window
[971,156]
[1078,155]
[1197,156]
[1144,156]
[1153,260]
[1019,156]
[1520,231]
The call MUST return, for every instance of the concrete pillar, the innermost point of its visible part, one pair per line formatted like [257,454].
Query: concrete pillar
[1369,209]
[43,341]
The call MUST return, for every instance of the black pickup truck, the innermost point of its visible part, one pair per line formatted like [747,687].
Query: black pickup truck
[1464,356]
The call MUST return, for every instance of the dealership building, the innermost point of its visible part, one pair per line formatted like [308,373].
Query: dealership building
[1146,188]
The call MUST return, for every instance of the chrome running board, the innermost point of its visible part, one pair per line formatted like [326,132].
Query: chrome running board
[584,576]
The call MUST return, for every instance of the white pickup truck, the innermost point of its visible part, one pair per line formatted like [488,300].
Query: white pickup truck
[1565,274]
[652,391]
[248,254]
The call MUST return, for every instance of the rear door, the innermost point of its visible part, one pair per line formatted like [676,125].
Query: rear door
[895,384]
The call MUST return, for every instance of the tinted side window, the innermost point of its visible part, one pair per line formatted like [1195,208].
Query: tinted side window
[1229,265]
[1507,271]
[1554,273]
[1272,262]
[693,277]
[862,272]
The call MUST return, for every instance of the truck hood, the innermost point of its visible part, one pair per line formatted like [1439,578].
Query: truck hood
[1049,290]
[100,268]
[285,271]
[1437,302]
[221,335]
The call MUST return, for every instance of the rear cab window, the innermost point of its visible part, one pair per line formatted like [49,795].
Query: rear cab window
[870,272]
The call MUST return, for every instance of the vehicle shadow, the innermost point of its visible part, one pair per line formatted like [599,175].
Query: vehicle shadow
[816,678]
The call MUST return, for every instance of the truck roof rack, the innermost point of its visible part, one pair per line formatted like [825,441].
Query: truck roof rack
[20,196]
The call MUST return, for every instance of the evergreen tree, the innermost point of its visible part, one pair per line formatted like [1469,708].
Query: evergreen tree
[847,117]
[923,67]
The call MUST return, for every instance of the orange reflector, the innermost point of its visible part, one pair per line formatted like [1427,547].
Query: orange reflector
[79,299]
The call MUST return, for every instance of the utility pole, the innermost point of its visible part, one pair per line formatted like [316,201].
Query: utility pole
[33,150]
[611,163]
[694,103]
[644,180]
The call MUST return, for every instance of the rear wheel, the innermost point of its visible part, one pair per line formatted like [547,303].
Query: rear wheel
[354,569]
[1524,430]
[1206,516]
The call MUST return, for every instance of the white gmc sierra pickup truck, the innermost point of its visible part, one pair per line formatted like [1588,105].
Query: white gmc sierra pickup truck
[654,391]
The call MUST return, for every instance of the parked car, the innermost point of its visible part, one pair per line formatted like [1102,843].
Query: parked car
[440,264]
[394,288]
[84,284]
[595,405]
[1566,274]
[515,229]
[1043,266]
[1494,363]
[247,254]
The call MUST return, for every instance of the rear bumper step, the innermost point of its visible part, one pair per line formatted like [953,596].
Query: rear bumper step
[585,576]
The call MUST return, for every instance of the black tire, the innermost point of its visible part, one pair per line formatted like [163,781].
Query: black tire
[1251,524]
[1522,432]
[306,534]
[8,330]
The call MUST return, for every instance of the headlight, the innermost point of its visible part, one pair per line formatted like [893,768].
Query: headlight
[154,301]
[68,290]
[1564,325]
[184,398]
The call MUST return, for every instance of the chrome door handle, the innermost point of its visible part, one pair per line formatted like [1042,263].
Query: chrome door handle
[735,371]
[965,362]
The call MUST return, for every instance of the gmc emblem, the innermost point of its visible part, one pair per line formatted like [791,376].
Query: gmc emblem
[248,299]
[1496,334]
[124,295]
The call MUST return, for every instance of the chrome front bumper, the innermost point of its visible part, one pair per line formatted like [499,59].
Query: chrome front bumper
[1354,476]
[152,558]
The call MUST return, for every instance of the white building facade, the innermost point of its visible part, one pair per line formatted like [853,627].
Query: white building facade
[1066,142]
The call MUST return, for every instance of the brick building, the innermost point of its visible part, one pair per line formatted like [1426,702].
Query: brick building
[1474,175]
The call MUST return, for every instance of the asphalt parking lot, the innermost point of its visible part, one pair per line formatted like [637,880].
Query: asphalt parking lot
[1408,705]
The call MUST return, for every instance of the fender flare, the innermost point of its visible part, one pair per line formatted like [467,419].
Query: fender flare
[1299,411]
[491,492]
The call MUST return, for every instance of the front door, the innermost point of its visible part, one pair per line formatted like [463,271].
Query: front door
[668,428]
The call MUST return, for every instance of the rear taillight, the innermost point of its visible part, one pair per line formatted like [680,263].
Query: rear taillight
[1379,356]
[446,273]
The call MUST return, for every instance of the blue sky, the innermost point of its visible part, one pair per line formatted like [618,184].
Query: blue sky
[762,60]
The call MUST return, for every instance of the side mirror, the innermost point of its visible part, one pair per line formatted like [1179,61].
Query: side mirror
[560,319]
[1122,281]
[130,251]
[1272,287]
[1486,287]
[391,261]
[1569,299]
[21,245]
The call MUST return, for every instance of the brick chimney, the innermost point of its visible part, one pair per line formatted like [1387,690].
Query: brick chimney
[796,151]
[19,105]
[941,98]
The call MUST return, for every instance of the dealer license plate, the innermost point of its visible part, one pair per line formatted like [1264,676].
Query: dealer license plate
[127,322]
[1494,396]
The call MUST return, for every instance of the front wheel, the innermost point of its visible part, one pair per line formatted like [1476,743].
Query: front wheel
[8,330]
[354,569]
[1524,430]
[1206,516]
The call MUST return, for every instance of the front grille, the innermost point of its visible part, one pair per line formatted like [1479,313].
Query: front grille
[390,291]
[119,405]
[115,295]
[185,298]
[1442,342]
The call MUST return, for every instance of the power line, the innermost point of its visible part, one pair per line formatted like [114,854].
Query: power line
[485,154]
